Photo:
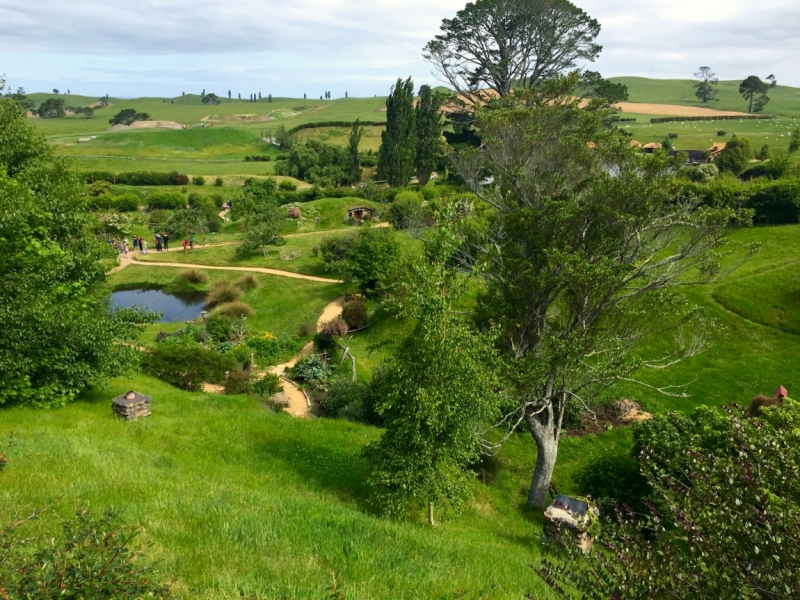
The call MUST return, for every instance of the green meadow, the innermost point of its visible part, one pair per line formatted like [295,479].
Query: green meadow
[233,499]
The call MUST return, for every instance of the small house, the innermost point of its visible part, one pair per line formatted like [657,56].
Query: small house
[359,212]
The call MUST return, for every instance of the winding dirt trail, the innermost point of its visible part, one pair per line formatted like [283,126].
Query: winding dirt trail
[298,404]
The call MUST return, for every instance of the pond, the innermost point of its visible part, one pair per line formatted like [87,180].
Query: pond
[177,307]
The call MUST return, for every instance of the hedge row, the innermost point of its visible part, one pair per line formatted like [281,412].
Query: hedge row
[715,118]
[294,130]
[137,178]
[257,158]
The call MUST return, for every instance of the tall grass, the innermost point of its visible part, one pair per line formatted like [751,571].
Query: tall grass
[222,291]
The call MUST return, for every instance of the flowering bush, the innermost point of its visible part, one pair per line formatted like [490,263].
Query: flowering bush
[294,212]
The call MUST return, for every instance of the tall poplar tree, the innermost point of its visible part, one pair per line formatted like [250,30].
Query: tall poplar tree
[429,132]
[355,161]
[399,139]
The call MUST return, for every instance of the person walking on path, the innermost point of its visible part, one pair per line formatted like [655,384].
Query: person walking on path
[125,248]
[191,243]
[165,237]
[157,240]
[143,243]
[185,243]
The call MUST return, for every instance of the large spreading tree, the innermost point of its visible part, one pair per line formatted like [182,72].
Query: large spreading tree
[755,92]
[59,334]
[399,138]
[588,242]
[500,45]
[257,208]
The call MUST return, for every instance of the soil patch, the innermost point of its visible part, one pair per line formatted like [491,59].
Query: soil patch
[675,110]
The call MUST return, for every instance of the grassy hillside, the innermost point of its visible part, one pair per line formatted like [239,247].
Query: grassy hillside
[236,500]
[783,100]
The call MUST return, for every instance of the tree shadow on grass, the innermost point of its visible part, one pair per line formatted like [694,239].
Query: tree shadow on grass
[322,467]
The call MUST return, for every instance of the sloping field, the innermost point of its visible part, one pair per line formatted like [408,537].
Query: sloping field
[673,110]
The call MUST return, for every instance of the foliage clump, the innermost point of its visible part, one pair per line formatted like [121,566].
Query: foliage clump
[187,367]
[723,517]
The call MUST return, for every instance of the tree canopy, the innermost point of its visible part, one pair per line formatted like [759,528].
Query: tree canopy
[429,133]
[500,45]
[128,116]
[325,165]
[52,108]
[755,92]
[257,206]
[705,89]
[59,333]
[399,138]
[437,392]
[586,244]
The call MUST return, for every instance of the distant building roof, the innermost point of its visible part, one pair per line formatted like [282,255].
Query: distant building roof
[652,146]
[635,144]
[718,147]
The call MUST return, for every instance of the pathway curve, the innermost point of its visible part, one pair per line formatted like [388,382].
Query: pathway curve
[298,404]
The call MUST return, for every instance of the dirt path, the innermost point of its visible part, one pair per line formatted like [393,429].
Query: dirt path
[298,404]
[675,110]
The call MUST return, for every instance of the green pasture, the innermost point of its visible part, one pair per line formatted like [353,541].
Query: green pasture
[784,100]
[701,135]
[371,139]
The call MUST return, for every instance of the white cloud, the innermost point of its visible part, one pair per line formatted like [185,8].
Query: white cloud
[167,46]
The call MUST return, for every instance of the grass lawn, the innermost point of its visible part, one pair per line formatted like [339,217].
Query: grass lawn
[307,264]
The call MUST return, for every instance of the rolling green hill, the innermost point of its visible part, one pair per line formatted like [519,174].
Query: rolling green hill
[784,101]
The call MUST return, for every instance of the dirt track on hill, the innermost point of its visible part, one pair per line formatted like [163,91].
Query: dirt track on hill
[675,110]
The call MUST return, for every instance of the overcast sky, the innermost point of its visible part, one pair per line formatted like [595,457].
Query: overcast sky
[291,47]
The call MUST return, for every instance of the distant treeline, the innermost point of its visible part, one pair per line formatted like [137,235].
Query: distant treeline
[715,118]
[294,130]
[257,158]
[137,178]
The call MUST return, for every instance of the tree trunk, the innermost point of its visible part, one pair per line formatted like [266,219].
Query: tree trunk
[543,430]
[430,515]
[547,448]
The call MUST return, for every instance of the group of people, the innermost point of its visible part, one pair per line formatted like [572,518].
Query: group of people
[140,244]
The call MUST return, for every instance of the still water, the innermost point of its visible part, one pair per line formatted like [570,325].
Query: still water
[175,307]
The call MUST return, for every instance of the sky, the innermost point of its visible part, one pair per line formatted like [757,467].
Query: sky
[292,47]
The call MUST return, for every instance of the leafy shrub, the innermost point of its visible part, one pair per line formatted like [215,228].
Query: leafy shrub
[185,222]
[343,392]
[234,310]
[613,478]
[736,156]
[313,370]
[238,382]
[334,249]
[269,385]
[198,180]
[222,291]
[101,187]
[407,211]
[287,186]
[127,202]
[219,327]
[306,329]
[248,281]
[218,182]
[763,154]
[329,333]
[193,276]
[186,367]
[354,312]
[165,201]
[777,167]
[138,178]
[293,212]
[92,559]
[722,133]
[776,202]
[158,216]
[725,191]
[214,225]
[269,348]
